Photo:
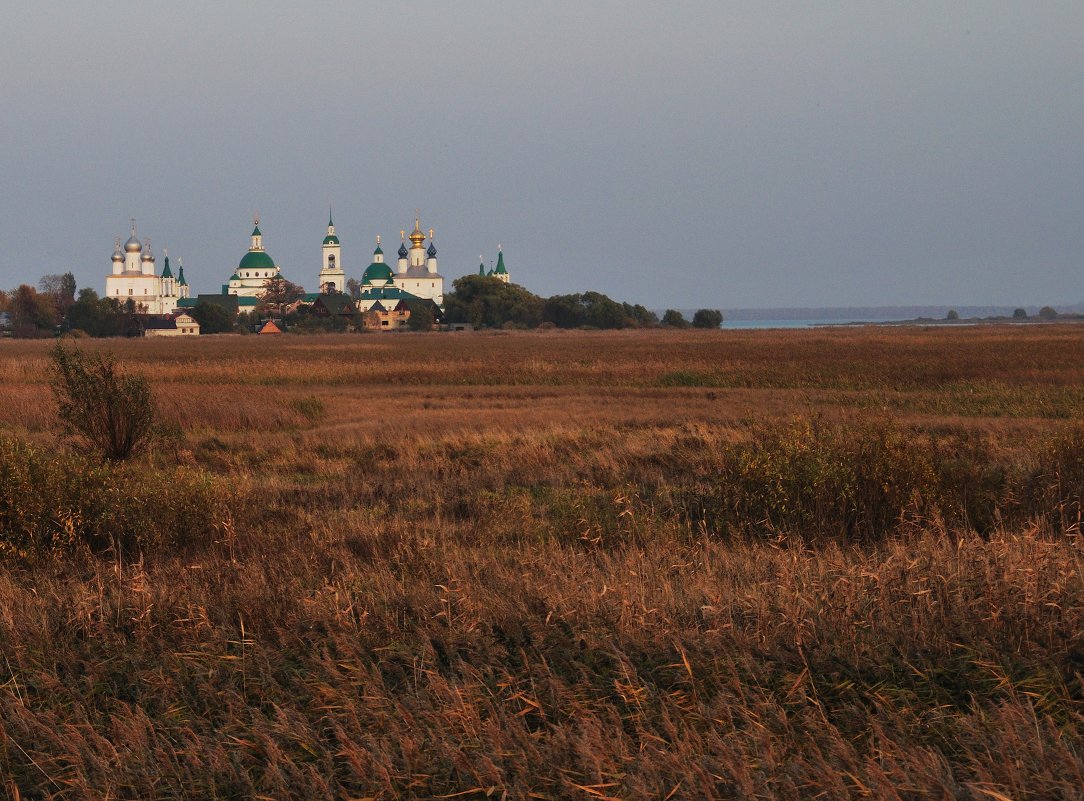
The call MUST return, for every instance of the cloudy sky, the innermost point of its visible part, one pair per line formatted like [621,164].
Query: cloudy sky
[755,154]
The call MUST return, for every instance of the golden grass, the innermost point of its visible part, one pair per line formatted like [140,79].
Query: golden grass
[517,564]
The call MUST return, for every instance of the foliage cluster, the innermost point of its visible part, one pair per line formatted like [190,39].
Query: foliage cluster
[37,312]
[278,295]
[487,302]
[674,319]
[59,503]
[594,310]
[113,412]
[212,318]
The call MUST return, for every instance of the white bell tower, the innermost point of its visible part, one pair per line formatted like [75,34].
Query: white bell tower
[332,274]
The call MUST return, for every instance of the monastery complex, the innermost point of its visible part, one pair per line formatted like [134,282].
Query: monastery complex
[384,290]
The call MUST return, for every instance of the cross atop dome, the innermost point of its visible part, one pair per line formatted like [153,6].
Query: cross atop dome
[416,236]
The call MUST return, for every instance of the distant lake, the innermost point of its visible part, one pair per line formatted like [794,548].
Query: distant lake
[809,323]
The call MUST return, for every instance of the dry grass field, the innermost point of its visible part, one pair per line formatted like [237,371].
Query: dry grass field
[839,564]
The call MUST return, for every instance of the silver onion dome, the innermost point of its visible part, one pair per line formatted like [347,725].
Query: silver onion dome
[133,245]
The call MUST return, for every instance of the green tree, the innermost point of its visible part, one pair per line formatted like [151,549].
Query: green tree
[952,315]
[674,319]
[639,315]
[212,318]
[1048,313]
[603,312]
[90,314]
[1019,314]
[245,321]
[707,318]
[564,311]
[33,313]
[487,302]
[421,316]
[112,413]
[594,309]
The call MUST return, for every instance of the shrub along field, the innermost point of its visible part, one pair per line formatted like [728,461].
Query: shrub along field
[690,564]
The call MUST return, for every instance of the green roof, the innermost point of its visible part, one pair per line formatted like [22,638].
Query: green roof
[377,271]
[387,293]
[336,304]
[166,273]
[224,300]
[256,260]
[180,277]
[331,239]
[378,250]
[187,303]
[500,265]
[235,277]
[481,269]
[256,231]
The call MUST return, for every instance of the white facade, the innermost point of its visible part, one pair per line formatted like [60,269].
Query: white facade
[254,270]
[133,276]
[332,274]
[416,271]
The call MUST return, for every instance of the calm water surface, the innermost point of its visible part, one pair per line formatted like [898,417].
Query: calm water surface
[738,324]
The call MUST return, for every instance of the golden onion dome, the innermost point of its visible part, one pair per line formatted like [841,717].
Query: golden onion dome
[416,236]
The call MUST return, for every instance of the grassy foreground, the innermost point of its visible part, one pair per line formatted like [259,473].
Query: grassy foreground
[794,564]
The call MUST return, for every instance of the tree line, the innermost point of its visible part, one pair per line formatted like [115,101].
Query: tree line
[486,302]
[56,306]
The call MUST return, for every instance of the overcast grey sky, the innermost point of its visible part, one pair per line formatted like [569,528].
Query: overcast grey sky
[673,154]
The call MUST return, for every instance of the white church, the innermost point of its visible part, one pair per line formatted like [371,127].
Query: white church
[134,277]
[415,276]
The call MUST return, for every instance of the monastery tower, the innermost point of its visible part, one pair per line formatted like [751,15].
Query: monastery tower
[332,274]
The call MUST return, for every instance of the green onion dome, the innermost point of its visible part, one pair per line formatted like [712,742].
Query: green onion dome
[256,260]
[377,271]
